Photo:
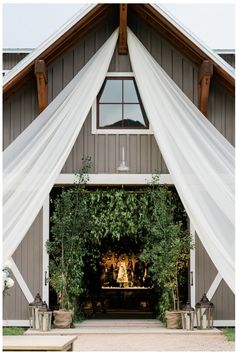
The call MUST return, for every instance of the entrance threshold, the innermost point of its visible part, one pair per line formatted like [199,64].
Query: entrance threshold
[122,326]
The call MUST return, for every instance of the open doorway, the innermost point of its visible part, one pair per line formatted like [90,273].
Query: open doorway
[116,280]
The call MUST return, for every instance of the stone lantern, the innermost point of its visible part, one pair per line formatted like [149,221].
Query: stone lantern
[204,313]
[187,316]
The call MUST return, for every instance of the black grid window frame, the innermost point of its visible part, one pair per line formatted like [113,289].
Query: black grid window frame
[121,78]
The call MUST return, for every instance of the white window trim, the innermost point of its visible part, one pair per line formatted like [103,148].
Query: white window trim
[96,130]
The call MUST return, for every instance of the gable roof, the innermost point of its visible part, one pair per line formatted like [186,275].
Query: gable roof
[92,14]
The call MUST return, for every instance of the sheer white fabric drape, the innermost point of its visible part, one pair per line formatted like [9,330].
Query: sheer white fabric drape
[200,160]
[34,160]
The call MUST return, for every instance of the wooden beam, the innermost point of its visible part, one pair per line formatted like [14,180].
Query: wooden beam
[205,75]
[40,71]
[67,40]
[122,46]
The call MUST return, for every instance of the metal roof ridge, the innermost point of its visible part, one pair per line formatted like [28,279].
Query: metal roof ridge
[47,42]
[191,36]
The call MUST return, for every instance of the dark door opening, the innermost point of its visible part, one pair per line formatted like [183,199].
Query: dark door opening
[119,284]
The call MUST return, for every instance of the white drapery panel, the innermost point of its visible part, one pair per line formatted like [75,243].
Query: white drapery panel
[200,160]
[34,160]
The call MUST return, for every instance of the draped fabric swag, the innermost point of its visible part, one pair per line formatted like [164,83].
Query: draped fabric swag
[32,163]
[199,158]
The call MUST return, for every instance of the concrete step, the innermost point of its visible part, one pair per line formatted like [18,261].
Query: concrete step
[132,326]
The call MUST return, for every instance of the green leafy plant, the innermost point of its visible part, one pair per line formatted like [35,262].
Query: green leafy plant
[67,246]
[83,221]
[229,333]
[167,245]
[10,331]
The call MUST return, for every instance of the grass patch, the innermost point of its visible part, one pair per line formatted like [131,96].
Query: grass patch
[8,331]
[229,333]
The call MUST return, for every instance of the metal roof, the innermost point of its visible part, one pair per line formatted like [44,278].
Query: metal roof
[85,10]
[191,36]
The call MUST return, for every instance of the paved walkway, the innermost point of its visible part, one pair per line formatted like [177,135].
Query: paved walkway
[141,336]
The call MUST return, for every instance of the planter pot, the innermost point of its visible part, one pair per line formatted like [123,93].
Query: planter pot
[173,320]
[62,318]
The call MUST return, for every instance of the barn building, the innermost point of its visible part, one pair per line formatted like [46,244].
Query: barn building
[36,78]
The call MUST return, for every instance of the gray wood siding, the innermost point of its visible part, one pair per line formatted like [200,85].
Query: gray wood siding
[143,154]
[9,60]
[223,299]
[221,111]
[18,112]
[28,259]
[230,58]
[183,72]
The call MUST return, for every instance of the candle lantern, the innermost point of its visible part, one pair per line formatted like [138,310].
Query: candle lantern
[204,313]
[187,316]
[33,312]
[45,317]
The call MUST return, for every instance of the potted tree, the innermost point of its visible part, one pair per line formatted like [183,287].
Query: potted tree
[70,224]
[167,248]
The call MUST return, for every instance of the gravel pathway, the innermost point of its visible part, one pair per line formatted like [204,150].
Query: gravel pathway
[151,342]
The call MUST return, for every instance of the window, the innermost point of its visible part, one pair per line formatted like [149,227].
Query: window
[119,105]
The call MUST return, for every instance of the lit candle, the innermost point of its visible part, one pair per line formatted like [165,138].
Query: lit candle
[204,321]
[187,322]
[36,319]
[45,322]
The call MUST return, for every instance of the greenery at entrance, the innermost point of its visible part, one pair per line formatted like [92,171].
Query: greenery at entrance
[167,244]
[83,220]
[229,333]
[71,226]
[13,330]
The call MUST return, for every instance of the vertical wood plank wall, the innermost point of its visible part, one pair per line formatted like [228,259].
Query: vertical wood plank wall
[223,299]
[28,259]
[9,60]
[221,111]
[143,154]
[18,112]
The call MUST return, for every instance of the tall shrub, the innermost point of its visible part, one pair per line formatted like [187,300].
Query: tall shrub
[167,245]
[67,246]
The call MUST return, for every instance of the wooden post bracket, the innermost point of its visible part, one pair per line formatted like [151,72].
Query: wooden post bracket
[205,75]
[40,71]
[122,46]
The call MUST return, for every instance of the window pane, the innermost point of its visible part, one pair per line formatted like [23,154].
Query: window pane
[133,116]
[110,115]
[112,92]
[130,95]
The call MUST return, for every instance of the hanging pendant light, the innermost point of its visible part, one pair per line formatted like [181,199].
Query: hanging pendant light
[123,167]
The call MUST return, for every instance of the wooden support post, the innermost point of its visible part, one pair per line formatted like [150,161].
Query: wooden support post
[123,47]
[40,71]
[205,74]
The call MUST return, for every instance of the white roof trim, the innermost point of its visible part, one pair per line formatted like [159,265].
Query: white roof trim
[86,9]
[225,51]
[209,52]
[17,50]
[48,42]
